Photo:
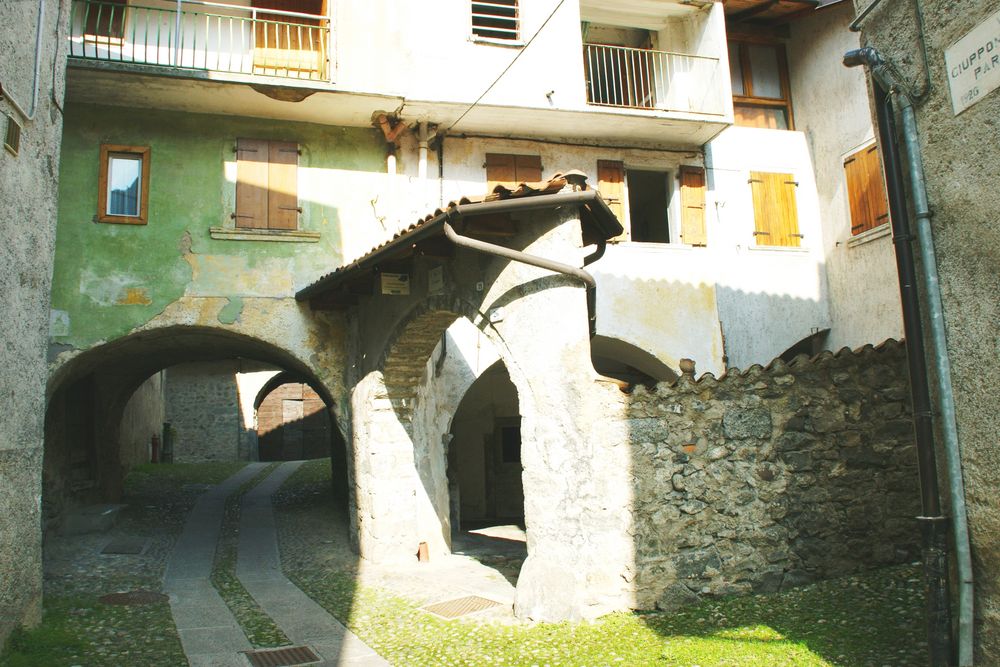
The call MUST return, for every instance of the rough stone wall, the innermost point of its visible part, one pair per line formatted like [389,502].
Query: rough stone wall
[771,478]
[143,418]
[203,411]
[28,183]
[959,156]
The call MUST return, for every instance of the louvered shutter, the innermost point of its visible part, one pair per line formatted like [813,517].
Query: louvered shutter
[693,206]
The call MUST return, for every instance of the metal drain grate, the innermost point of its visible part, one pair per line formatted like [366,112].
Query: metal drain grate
[461,606]
[125,545]
[287,656]
[133,598]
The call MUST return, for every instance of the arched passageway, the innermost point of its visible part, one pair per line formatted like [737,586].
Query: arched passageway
[108,404]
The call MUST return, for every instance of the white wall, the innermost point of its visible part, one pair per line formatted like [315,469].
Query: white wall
[832,109]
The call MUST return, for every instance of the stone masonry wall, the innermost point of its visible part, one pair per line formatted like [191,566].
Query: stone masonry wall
[203,411]
[771,478]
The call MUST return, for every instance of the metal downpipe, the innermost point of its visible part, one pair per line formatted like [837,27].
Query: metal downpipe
[946,393]
[532,260]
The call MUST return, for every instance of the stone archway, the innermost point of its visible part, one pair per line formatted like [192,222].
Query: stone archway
[106,376]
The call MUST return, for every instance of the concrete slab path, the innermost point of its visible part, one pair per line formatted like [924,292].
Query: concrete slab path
[258,567]
[209,633]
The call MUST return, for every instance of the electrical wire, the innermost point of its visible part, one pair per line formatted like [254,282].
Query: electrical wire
[507,69]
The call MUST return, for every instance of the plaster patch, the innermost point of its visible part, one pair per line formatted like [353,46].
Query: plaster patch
[220,275]
[58,323]
[134,296]
[111,289]
[230,312]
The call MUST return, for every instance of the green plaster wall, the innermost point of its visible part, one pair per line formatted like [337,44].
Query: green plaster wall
[110,279]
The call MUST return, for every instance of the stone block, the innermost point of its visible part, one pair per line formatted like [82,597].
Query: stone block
[747,422]
[676,596]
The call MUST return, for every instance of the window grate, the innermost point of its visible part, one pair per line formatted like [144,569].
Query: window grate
[12,138]
[496,19]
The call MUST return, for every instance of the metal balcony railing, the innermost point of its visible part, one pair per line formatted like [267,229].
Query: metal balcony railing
[619,76]
[194,34]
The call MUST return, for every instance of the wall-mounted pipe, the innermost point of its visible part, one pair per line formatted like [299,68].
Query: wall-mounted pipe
[422,152]
[5,94]
[888,89]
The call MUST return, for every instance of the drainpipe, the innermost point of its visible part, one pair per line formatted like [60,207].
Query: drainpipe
[531,260]
[28,117]
[422,152]
[887,89]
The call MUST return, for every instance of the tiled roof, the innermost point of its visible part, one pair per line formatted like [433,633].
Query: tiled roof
[552,186]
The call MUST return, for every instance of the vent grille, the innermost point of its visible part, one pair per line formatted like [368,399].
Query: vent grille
[287,656]
[461,606]
[12,138]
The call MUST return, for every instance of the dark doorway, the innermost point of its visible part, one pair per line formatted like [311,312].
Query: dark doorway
[647,205]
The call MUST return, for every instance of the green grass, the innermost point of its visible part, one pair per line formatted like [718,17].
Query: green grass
[872,619]
[257,626]
[148,478]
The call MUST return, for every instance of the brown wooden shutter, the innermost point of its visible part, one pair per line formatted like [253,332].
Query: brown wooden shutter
[775,212]
[251,183]
[527,169]
[866,190]
[500,170]
[693,206]
[282,181]
[611,185]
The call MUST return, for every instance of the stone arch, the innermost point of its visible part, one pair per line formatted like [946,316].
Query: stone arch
[108,374]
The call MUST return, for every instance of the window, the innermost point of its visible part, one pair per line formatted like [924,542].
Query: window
[648,195]
[105,20]
[866,190]
[510,443]
[647,206]
[775,213]
[759,77]
[611,185]
[267,185]
[123,185]
[495,19]
[512,170]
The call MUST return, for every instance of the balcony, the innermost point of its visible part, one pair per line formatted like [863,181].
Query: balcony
[633,78]
[208,36]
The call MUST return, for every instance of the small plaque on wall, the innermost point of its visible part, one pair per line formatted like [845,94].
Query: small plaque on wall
[395,283]
[973,64]
[435,280]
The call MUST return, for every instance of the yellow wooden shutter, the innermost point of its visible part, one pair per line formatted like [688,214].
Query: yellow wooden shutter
[500,170]
[693,206]
[527,169]
[611,185]
[282,195]
[775,212]
[866,190]
[251,183]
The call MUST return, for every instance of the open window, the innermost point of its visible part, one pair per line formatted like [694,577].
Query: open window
[759,76]
[104,22]
[123,185]
[267,185]
[496,19]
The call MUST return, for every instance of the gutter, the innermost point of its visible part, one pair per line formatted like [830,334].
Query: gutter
[5,94]
[888,90]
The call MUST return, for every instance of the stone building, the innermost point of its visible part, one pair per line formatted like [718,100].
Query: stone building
[32,66]
[467,247]
[947,58]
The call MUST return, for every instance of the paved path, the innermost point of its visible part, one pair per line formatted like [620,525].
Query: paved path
[258,567]
[210,635]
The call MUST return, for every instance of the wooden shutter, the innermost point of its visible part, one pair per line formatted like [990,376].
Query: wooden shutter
[693,206]
[512,170]
[775,212]
[527,169]
[251,183]
[500,170]
[282,185]
[611,185]
[866,190]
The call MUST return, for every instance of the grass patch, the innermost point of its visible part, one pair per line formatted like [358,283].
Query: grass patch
[148,478]
[79,630]
[873,619]
[256,625]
